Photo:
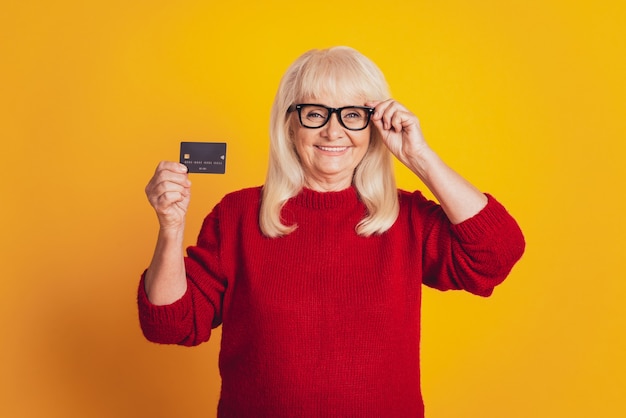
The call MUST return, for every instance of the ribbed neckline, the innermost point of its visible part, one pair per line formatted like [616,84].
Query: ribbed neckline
[326,200]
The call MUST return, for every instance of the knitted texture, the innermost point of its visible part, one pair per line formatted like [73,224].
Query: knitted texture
[323,322]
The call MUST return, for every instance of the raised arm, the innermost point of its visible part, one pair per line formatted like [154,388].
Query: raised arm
[169,193]
[401,132]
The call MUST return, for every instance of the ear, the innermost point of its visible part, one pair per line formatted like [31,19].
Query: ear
[291,132]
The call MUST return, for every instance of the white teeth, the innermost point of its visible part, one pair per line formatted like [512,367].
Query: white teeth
[332,149]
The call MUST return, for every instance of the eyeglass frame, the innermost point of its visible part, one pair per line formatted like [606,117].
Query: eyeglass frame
[331,110]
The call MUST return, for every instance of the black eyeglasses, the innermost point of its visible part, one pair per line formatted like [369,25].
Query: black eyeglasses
[313,116]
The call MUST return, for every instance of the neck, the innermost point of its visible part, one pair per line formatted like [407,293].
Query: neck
[328,184]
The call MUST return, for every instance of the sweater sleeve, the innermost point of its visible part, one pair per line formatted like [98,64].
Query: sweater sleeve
[475,255]
[189,320]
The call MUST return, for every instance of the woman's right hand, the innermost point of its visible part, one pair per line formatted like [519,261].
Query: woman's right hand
[169,193]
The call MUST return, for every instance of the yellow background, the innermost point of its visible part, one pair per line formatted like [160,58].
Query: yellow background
[526,98]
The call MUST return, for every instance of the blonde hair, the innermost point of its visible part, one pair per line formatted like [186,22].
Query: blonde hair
[338,71]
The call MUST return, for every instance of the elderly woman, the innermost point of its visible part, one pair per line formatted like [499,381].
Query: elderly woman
[316,276]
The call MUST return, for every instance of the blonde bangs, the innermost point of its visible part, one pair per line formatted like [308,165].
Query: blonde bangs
[338,72]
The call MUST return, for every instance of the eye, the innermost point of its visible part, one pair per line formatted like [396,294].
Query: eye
[317,114]
[353,114]
[313,114]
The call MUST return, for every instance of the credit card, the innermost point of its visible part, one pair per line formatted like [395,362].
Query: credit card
[203,157]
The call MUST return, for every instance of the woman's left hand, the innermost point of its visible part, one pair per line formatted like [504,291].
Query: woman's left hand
[399,129]
[401,132]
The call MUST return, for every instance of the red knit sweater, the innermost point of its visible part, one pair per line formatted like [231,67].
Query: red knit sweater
[323,322]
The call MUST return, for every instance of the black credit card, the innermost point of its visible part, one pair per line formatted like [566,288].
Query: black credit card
[203,157]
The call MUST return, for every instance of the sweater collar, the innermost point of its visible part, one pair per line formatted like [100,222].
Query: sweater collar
[327,200]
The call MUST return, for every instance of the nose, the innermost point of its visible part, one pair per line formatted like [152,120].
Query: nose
[333,129]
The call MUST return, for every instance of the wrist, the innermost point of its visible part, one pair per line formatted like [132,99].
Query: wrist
[422,160]
[172,232]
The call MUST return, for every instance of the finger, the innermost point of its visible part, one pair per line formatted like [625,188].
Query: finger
[378,125]
[380,108]
[164,174]
[168,187]
[156,191]
[171,166]
[377,115]
[170,198]
[171,177]
[170,202]
[373,103]
[389,114]
[398,121]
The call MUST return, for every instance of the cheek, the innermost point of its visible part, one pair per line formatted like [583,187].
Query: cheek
[365,144]
[299,142]
[365,140]
[294,136]
[297,135]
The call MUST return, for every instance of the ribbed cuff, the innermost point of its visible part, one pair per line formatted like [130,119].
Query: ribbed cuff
[160,314]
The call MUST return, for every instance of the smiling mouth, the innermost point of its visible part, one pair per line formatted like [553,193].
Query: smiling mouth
[331,149]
